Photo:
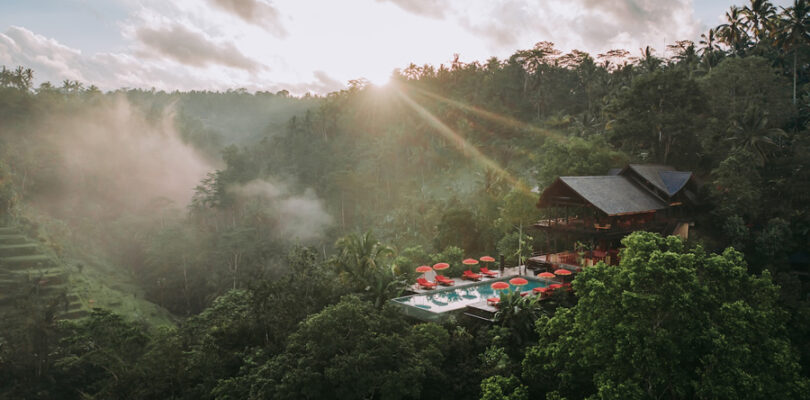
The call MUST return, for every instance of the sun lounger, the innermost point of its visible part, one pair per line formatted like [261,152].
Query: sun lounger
[425,284]
[468,274]
[443,280]
[486,271]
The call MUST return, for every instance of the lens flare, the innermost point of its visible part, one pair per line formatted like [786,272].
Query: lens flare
[461,143]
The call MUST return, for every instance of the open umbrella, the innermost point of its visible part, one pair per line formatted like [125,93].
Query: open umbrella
[423,268]
[546,275]
[470,261]
[499,285]
[441,266]
[487,259]
[555,286]
[518,281]
[562,271]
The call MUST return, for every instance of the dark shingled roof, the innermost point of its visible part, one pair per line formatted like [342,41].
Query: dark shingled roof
[663,177]
[613,194]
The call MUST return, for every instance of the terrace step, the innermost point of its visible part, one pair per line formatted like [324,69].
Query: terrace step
[5,230]
[13,239]
[23,262]
[73,314]
[10,250]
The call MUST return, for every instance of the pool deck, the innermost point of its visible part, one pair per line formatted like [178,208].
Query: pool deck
[460,283]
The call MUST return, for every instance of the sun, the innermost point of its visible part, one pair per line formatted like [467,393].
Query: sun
[380,79]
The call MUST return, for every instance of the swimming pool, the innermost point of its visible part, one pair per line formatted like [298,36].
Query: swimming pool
[430,305]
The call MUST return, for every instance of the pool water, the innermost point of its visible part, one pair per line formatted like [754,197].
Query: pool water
[450,299]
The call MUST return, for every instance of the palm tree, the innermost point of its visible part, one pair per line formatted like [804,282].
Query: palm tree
[759,17]
[793,31]
[648,61]
[709,42]
[360,257]
[751,132]
[734,33]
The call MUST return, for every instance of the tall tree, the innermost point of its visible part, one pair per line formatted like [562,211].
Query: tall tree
[759,17]
[734,32]
[793,32]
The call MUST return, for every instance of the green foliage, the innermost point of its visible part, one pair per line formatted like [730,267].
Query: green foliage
[503,388]
[659,118]
[98,356]
[459,227]
[667,321]
[350,350]
[576,156]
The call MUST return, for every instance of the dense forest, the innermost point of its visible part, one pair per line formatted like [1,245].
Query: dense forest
[236,245]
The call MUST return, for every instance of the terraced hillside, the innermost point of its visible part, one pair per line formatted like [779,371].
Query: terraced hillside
[36,285]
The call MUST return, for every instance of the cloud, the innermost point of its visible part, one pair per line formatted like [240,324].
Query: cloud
[192,48]
[19,46]
[425,8]
[254,12]
[297,216]
[593,25]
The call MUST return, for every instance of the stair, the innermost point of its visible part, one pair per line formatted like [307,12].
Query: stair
[26,262]
[25,249]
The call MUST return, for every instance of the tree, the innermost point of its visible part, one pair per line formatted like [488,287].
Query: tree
[658,116]
[759,17]
[709,42]
[352,351]
[793,31]
[734,33]
[667,322]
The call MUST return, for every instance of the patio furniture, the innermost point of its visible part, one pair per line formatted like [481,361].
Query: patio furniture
[468,274]
[486,271]
[425,284]
[443,280]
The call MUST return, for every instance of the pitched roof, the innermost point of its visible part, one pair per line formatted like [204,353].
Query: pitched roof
[613,194]
[663,177]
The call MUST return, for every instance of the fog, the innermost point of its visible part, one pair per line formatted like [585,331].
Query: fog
[108,159]
[299,217]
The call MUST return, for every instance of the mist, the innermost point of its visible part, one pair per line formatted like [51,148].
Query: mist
[299,216]
[109,159]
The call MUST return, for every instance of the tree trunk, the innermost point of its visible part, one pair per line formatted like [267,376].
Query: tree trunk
[795,57]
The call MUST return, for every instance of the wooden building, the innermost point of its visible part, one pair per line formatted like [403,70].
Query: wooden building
[601,210]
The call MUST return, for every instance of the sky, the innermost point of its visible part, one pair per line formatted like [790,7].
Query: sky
[316,46]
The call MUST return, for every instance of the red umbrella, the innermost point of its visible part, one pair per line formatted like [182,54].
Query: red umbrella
[540,289]
[562,271]
[518,281]
[499,285]
[487,259]
[470,261]
[546,275]
[555,286]
[423,268]
[441,266]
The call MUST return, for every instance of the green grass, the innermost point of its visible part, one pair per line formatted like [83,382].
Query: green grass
[8,250]
[96,284]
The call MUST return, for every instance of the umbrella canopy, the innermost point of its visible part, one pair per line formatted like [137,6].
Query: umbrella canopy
[441,266]
[518,281]
[487,259]
[470,261]
[423,268]
[555,286]
[546,275]
[499,285]
[562,271]
[540,289]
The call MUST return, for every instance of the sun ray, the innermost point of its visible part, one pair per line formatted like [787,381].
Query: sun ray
[507,121]
[461,143]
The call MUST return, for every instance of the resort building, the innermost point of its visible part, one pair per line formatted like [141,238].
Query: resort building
[598,211]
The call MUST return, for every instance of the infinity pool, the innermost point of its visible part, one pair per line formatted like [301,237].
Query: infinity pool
[455,298]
